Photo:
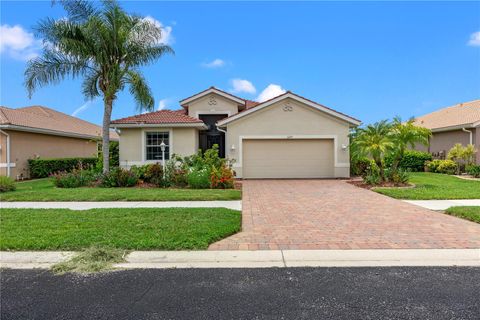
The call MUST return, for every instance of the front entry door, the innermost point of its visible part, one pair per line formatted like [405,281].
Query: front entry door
[212,136]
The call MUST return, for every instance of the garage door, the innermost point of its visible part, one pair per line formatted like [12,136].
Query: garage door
[293,158]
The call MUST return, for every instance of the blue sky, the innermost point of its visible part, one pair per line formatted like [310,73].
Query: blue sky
[371,60]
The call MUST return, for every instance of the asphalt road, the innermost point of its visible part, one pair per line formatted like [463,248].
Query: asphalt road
[300,293]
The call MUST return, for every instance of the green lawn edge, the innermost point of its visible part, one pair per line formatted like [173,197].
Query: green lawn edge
[44,190]
[471,213]
[122,228]
[434,186]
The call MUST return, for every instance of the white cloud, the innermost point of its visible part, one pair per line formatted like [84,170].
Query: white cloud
[167,37]
[474,39]
[241,85]
[162,104]
[271,91]
[82,108]
[217,63]
[18,43]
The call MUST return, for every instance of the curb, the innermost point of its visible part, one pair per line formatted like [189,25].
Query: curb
[262,259]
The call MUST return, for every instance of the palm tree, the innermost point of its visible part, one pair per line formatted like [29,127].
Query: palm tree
[106,47]
[406,134]
[374,141]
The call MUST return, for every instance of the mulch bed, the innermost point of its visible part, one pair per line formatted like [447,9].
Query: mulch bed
[361,184]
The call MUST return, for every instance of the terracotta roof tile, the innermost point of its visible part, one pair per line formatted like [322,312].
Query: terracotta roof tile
[465,113]
[159,117]
[40,117]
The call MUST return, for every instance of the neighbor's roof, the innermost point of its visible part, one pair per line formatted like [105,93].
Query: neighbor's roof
[463,114]
[160,117]
[45,120]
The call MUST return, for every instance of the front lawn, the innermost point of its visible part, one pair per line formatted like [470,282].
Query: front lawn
[470,213]
[430,186]
[135,229]
[44,190]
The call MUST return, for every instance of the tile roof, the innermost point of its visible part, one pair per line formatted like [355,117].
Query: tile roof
[466,113]
[40,117]
[159,117]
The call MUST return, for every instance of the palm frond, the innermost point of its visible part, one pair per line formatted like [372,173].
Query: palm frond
[140,90]
[51,68]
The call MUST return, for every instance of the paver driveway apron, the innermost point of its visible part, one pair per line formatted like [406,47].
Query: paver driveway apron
[332,214]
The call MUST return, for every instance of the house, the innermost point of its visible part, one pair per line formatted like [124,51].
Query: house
[455,124]
[285,137]
[38,131]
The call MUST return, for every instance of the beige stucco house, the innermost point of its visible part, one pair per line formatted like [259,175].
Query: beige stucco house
[286,137]
[459,123]
[37,131]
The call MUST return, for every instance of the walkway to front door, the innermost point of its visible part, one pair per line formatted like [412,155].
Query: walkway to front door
[332,214]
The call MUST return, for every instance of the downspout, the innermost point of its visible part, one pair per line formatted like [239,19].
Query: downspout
[471,134]
[8,151]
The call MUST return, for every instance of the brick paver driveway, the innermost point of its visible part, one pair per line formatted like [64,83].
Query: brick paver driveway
[332,214]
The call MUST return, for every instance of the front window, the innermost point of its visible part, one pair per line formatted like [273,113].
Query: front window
[153,141]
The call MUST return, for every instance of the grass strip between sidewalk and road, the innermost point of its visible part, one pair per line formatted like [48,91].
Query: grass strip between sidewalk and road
[44,190]
[471,213]
[122,228]
[435,186]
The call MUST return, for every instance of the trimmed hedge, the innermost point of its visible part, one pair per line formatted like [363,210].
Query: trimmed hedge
[412,160]
[42,168]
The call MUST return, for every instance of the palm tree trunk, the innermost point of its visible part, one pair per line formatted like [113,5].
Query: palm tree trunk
[107,115]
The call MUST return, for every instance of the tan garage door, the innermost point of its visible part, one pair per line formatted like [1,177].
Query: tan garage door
[293,158]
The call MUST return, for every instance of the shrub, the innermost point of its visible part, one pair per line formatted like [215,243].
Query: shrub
[372,174]
[199,178]
[221,178]
[154,174]
[42,168]
[359,166]
[114,157]
[119,177]
[474,170]
[75,179]
[412,160]
[442,166]
[6,184]
[399,177]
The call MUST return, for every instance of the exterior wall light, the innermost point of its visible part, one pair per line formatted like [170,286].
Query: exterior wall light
[344,147]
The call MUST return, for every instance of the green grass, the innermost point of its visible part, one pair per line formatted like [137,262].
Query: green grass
[125,228]
[430,186]
[470,213]
[44,190]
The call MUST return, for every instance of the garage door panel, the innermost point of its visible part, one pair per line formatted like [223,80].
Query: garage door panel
[293,158]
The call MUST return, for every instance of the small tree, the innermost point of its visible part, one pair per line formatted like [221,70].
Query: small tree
[404,135]
[374,141]
[106,47]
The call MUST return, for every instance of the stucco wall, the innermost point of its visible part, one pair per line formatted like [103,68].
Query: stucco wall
[183,141]
[444,141]
[302,121]
[211,104]
[26,145]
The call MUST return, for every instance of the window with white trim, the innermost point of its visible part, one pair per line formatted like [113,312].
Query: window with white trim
[152,145]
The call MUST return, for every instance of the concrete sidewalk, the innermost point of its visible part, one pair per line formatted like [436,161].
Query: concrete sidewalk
[444,204]
[262,259]
[85,205]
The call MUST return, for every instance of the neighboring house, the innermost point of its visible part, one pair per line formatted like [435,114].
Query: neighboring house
[456,124]
[285,137]
[36,131]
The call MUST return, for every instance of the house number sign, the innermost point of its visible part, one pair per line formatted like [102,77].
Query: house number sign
[287,107]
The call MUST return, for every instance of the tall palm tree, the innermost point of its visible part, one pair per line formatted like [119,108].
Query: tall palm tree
[374,141]
[404,135]
[106,47]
